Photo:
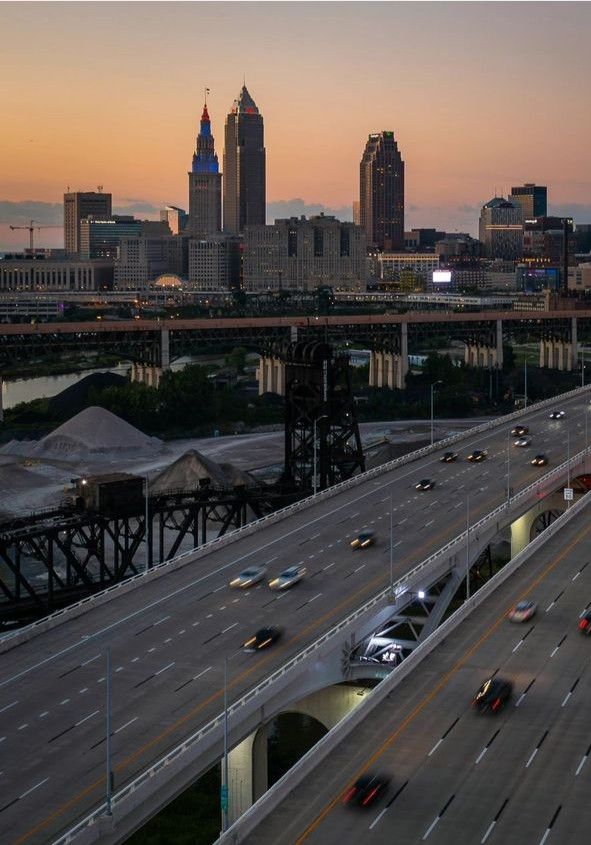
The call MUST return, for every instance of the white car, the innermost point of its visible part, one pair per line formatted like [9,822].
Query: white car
[522,441]
[557,415]
[523,611]
[288,578]
[249,577]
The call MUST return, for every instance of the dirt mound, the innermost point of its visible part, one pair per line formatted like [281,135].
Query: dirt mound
[75,398]
[191,468]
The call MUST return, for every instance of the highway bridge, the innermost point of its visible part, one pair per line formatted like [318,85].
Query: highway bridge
[170,631]
[521,777]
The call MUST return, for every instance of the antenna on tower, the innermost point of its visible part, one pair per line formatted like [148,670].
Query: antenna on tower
[99,188]
[206,92]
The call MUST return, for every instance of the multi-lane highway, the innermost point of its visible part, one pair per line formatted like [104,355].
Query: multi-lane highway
[168,637]
[521,777]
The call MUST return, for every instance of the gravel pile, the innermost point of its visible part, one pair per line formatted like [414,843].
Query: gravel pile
[188,470]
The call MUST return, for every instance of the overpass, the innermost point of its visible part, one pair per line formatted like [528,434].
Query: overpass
[520,778]
[170,630]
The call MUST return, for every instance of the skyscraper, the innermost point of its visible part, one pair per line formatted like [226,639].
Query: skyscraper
[77,206]
[501,229]
[381,193]
[205,184]
[532,198]
[244,166]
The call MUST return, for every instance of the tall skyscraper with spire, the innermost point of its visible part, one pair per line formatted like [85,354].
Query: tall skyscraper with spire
[244,166]
[381,193]
[205,184]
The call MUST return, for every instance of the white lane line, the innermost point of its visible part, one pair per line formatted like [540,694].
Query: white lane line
[435,747]
[2,738]
[90,660]
[83,690]
[315,537]
[545,836]
[397,544]
[489,830]
[581,764]
[209,615]
[554,652]
[126,725]
[201,673]
[359,568]
[550,606]
[119,669]
[353,514]
[65,701]
[271,559]
[481,755]
[517,646]
[44,714]
[403,520]
[217,589]
[100,680]
[169,639]
[150,650]
[234,601]
[134,659]
[33,788]
[164,668]
[329,565]
[566,698]
[160,621]
[459,505]
[8,706]
[314,598]
[86,718]
[427,524]
[229,628]
[431,826]
[531,759]
[520,699]
[22,727]
[182,631]
[194,625]
[377,818]
[576,576]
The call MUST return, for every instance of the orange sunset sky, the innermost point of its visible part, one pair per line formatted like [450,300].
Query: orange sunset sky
[479,95]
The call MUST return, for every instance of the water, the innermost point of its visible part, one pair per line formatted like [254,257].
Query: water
[27,389]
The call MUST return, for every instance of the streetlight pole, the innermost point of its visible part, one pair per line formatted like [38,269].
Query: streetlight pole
[525,381]
[109,811]
[582,365]
[148,527]
[315,478]
[467,546]
[391,547]
[508,469]
[224,790]
[435,383]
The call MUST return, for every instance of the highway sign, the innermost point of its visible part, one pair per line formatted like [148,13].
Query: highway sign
[568,494]
[224,797]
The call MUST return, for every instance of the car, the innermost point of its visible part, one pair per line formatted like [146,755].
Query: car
[522,441]
[557,415]
[477,455]
[249,577]
[585,623]
[263,639]
[366,790]
[449,457]
[519,431]
[539,461]
[522,611]
[425,484]
[492,695]
[286,579]
[363,540]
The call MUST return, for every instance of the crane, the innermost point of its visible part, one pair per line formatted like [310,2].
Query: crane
[31,228]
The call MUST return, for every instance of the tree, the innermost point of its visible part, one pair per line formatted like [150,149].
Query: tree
[236,359]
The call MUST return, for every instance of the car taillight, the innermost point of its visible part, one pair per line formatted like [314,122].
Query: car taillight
[368,798]
[583,624]
[496,704]
[349,795]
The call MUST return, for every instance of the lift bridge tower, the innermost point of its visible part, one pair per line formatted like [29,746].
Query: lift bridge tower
[322,443]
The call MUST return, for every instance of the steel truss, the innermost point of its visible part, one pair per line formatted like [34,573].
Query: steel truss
[50,559]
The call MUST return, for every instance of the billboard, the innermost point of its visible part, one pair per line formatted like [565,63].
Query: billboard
[441,277]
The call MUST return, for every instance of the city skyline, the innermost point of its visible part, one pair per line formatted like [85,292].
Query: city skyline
[478,101]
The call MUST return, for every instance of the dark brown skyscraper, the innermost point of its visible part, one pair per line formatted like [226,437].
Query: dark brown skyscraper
[244,166]
[381,193]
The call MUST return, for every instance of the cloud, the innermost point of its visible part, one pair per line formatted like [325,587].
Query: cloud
[297,207]
[580,212]
[21,213]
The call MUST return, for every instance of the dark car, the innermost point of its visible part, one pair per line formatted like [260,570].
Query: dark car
[263,639]
[585,623]
[449,457]
[363,540]
[557,415]
[425,484]
[366,790]
[492,695]
[519,431]
[477,455]
[539,461]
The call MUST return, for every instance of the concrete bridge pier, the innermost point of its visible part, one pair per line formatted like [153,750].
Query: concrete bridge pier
[271,375]
[521,529]
[557,354]
[248,761]
[165,349]
[481,355]
[387,369]
[146,374]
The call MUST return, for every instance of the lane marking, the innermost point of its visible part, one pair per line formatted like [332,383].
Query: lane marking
[164,668]
[86,718]
[126,725]
[33,788]
[377,818]
[8,706]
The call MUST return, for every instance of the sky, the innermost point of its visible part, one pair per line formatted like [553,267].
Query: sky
[480,96]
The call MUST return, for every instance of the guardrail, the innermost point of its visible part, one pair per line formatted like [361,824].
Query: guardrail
[283,787]
[72,611]
[401,585]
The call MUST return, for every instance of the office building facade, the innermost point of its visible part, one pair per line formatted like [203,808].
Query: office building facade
[501,229]
[175,218]
[532,199]
[381,193]
[142,259]
[26,274]
[101,238]
[205,184]
[301,254]
[77,206]
[244,166]
[214,263]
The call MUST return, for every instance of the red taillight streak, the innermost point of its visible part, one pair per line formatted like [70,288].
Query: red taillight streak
[496,704]
[583,624]
[349,795]
[369,797]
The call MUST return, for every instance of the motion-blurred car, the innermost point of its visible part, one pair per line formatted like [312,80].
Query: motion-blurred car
[585,623]
[519,431]
[539,461]
[366,790]
[249,577]
[522,441]
[557,415]
[522,611]
[363,540]
[449,457]
[262,639]
[288,578]
[477,455]
[492,695]
[425,484]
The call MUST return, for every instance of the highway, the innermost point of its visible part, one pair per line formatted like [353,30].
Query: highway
[521,777]
[169,637]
